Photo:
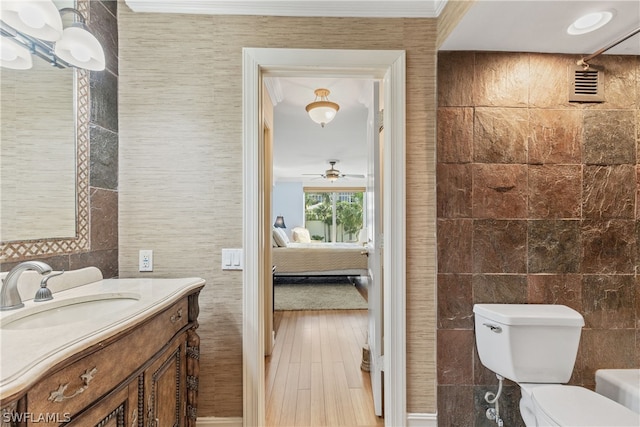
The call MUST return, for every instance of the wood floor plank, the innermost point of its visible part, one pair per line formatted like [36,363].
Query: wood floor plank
[305,334]
[362,402]
[303,408]
[349,357]
[318,413]
[274,378]
[304,381]
[290,396]
[313,375]
[298,337]
[316,342]
[275,400]
[343,394]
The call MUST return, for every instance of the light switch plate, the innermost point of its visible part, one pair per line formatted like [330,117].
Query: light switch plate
[232,259]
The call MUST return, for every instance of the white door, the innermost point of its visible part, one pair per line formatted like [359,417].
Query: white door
[374,248]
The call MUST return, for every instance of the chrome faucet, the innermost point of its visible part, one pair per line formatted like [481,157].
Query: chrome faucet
[9,295]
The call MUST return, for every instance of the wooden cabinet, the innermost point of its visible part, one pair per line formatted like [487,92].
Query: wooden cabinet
[144,376]
[166,402]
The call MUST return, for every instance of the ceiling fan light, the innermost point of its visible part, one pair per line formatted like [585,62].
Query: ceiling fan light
[332,174]
[80,48]
[36,18]
[322,111]
[13,55]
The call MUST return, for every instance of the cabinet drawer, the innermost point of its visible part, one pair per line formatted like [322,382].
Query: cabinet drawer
[73,387]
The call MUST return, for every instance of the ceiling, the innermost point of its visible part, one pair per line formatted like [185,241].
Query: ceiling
[540,26]
[301,146]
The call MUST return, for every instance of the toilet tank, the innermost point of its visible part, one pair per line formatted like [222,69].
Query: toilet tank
[528,343]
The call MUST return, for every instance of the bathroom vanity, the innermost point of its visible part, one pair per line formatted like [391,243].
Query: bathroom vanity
[116,352]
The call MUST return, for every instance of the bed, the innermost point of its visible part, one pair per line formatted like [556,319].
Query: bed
[307,258]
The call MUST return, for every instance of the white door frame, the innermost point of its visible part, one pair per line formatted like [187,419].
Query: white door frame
[383,64]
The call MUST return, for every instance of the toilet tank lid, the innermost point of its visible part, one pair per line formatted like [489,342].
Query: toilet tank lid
[530,314]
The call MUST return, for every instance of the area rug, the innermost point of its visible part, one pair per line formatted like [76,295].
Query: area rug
[324,296]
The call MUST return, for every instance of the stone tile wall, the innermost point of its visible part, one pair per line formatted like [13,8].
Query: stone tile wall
[538,202]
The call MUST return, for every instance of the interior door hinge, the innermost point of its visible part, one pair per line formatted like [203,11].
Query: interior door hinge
[380,120]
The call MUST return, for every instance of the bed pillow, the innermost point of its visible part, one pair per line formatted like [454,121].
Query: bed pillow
[284,236]
[301,235]
[280,237]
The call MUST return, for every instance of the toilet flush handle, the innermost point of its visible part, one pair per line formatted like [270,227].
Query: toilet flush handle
[494,328]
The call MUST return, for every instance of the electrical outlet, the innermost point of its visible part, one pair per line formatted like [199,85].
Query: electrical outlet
[145,260]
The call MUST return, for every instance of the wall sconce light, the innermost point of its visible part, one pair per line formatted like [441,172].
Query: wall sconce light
[35,26]
[322,110]
[279,222]
[14,55]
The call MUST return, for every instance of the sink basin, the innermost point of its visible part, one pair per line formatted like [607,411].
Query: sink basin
[61,312]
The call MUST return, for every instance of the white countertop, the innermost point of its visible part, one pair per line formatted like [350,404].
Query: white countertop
[26,354]
[621,385]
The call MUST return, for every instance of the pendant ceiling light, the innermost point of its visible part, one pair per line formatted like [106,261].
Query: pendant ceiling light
[36,26]
[322,110]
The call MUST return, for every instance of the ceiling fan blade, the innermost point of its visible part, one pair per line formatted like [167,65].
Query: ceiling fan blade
[353,175]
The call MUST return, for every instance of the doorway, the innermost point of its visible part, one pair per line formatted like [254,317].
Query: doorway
[389,66]
[321,321]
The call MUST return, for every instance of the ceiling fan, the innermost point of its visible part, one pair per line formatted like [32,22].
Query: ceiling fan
[333,174]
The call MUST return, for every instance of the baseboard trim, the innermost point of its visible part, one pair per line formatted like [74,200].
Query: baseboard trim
[219,422]
[422,420]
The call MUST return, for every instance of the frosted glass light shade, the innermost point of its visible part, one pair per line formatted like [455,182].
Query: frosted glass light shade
[322,111]
[80,48]
[36,18]
[14,55]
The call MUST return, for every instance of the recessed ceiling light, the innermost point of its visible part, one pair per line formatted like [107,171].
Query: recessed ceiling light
[589,22]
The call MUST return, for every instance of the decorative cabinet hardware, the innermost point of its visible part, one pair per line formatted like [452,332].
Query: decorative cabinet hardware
[193,352]
[177,317]
[87,377]
[192,382]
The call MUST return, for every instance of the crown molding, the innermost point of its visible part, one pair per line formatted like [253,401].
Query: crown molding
[345,8]
[274,89]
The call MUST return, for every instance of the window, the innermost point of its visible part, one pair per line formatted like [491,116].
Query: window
[334,216]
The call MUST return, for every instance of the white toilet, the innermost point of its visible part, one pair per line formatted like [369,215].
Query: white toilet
[535,345]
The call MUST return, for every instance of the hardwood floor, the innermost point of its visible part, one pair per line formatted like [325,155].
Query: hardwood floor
[313,375]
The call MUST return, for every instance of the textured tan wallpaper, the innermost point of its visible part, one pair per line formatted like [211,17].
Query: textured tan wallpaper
[180,103]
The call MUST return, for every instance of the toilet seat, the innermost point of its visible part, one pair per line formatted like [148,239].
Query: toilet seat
[564,405]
